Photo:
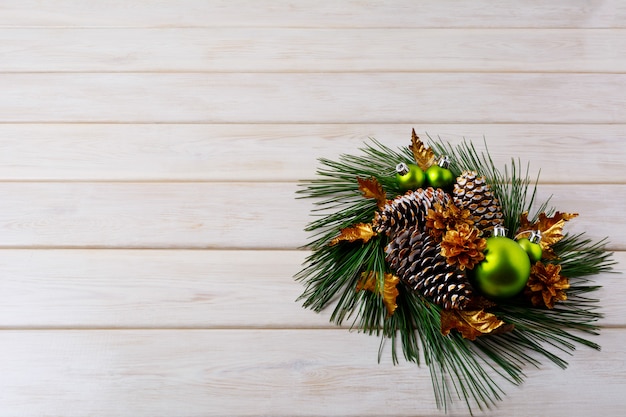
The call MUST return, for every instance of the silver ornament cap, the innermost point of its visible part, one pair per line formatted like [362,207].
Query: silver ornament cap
[402,168]
[499,231]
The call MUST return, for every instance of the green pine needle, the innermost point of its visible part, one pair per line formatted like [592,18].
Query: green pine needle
[515,189]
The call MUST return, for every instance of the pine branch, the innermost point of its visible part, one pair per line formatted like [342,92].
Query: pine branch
[516,191]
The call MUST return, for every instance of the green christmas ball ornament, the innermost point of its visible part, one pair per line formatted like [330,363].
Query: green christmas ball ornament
[505,270]
[531,246]
[409,176]
[439,176]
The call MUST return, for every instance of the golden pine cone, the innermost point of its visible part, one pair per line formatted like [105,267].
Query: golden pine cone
[442,218]
[546,285]
[463,246]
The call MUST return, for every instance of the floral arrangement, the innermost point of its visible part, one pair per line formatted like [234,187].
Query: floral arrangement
[453,261]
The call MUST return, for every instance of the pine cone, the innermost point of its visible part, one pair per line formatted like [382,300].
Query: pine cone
[441,218]
[416,259]
[408,210]
[546,285]
[471,192]
[463,247]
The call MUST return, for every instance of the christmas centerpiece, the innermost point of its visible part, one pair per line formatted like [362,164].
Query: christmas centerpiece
[451,260]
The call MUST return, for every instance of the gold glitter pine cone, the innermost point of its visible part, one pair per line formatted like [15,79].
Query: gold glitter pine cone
[546,285]
[442,218]
[463,246]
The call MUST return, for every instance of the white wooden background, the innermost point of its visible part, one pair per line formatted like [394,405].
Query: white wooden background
[149,154]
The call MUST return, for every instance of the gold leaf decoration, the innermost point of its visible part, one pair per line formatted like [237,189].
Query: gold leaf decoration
[424,157]
[371,188]
[360,231]
[546,285]
[472,323]
[389,291]
[551,228]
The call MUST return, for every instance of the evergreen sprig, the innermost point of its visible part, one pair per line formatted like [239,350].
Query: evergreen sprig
[514,187]
[458,367]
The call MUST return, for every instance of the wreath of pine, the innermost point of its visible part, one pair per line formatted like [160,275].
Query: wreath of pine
[453,261]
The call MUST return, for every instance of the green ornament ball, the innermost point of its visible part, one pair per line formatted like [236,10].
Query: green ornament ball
[412,179]
[505,270]
[533,250]
[439,177]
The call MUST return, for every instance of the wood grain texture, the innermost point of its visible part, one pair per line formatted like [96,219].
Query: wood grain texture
[286,152]
[149,153]
[169,215]
[265,372]
[312,13]
[220,215]
[153,289]
[316,98]
[312,50]
[112,289]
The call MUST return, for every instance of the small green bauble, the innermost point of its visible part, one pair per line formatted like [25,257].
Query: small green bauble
[533,250]
[439,177]
[409,176]
[505,270]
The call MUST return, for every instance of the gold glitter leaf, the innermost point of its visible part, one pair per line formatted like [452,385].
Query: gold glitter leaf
[472,323]
[551,228]
[424,157]
[360,231]
[371,188]
[389,291]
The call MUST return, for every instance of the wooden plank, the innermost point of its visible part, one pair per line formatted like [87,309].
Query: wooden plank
[323,97]
[312,50]
[147,289]
[163,215]
[285,152]
[82,289]
[220,215]
[264,372]
[309,13]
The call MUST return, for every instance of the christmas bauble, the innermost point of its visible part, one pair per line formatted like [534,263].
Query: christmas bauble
[439,177]
[505,270]
[533,250]
[409,176]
